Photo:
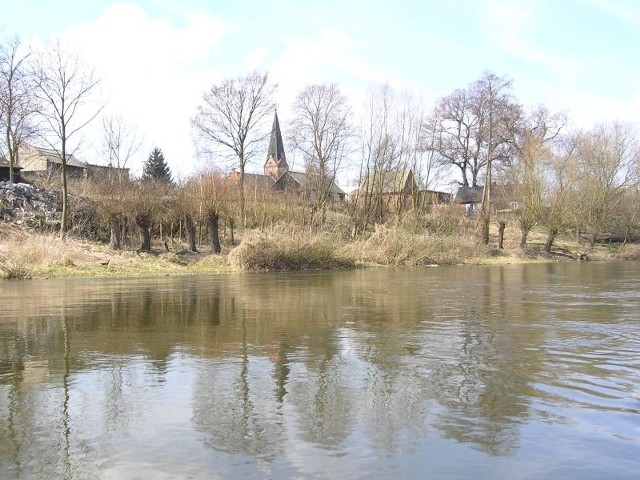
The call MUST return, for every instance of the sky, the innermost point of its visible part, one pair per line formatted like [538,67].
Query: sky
[155,58]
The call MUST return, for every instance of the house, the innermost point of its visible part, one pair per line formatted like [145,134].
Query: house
[396,188]
[503,198]
[399,190]
[99,173]
[434,198]
[470,198]
[276,175]
[5,171]
[307,185]
[46,162]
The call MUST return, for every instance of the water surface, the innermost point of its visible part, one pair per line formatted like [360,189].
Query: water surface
[528,371]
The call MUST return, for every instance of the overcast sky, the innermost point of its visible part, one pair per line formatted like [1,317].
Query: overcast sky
[156,57]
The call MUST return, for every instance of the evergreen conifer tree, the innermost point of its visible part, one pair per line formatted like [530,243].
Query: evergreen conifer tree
[156,168]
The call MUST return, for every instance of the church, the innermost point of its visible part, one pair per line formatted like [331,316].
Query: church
[276,173]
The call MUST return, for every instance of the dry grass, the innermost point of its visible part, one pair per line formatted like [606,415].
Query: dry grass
[629,252]
[288,249]
[27,256]
[30,255]
[393,246]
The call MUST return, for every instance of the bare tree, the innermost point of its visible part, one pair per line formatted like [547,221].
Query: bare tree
[560,192]
[528,175]
[499,116]
[454,135]
[471,129]
[394,154]
[185,206]
[415,152]
[18,105]
[150,205]
[231,120]
[322,130]
[120,142]
[213,195]
[607,159]
[63,86]
[379,151]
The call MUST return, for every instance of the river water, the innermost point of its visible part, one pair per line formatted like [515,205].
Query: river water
[516,372]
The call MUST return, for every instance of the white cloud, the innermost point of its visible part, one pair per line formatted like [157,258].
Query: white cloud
[153,72]
[255,59]
[333,57]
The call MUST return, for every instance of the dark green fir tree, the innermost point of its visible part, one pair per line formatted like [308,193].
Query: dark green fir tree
[156,168]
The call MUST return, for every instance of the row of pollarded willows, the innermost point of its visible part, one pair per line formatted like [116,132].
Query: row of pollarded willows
[132,227]
[279,246]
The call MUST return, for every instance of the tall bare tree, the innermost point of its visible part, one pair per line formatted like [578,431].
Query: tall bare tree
[473,128]
[393,154]
[415,148]
[231,120]
[561,193]
[379,152]
[528,176]
[608,159]
[64,86]
[454,135]
[499,116]
[120,142]
[321,130]
[18,105]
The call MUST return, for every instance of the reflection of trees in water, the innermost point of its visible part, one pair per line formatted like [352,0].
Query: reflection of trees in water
[324,393]
[453,346]
[481,363]
[233,403]
[280,358]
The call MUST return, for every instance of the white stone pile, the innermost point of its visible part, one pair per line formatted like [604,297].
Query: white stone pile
[22,204]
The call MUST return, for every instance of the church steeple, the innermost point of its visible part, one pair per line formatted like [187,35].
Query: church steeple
[276,163]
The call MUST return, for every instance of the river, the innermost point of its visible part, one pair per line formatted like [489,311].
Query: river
[516,371]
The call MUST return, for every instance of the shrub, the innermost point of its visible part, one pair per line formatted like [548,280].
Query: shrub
[392,246]
[287,250]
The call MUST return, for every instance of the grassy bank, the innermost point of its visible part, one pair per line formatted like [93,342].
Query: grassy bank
[25,255]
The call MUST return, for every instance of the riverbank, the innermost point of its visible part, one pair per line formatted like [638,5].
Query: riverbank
[29,255]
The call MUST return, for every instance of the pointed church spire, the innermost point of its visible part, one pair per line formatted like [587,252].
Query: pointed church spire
[276,147]
[276,163]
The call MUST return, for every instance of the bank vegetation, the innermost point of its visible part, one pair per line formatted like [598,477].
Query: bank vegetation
[152,229]
[548,190]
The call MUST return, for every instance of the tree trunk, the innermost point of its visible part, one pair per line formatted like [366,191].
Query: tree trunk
[483,227]
[116,233]
[214,233]
[501,226]
[550,239]
[524,233]
[144,223]
[231,225]
[65,197]
[243,222]
[190,231]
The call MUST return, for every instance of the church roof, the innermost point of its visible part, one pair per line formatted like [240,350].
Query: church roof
[276,146]
[305,180]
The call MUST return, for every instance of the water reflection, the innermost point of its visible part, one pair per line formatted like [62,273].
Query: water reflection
[321,375]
